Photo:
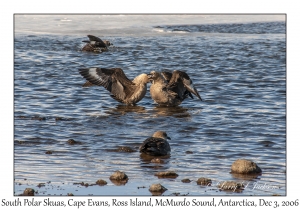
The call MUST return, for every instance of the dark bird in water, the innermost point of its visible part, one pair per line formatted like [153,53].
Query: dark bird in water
[157,145]
[115,81]
[170,89]
[95,44]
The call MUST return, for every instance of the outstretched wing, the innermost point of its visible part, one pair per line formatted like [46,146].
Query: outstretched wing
[114,80]
[167,75]
[95,41]
[88,84]
[182,84]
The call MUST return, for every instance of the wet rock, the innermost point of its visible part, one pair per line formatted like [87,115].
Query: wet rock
[28,192]
[78,183]
[157,189]
[188,152]
[119,178]
[118,175]
[72,142]
[48,152]
[166,174]
[61,119]
[101,182]
[178,194]
[82,184]
[157,160]
[41,185]
[242,166]
[204,181]
[38,118]
[186,180]
[70,194]
[231,186]
[119,182]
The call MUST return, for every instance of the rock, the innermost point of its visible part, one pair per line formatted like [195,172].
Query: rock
[72,141]
[41,185]
[118,175]
[186,180]
[157,160]
[157,188]
[48,152]
[70,194]
[101,182]
[166,174]
[204,181]
[231,186]
[38,118]
[28,192]
[242,166]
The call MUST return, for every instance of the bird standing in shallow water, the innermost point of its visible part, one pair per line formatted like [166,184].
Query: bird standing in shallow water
[157,145]
[95,44]
[115,81]
[170,89]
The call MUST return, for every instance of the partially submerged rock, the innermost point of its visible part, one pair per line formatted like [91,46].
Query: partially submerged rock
[101,182]
[242,166]
[157,160]
[204,181]
[118,175]
[28,192]
[166,174]
[186,180]
[157,189]
[41,185]
[119,178]
[72,142]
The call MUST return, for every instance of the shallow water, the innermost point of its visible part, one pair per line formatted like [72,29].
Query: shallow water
[239,70]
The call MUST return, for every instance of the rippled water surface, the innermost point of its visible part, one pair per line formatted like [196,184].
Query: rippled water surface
[239,70]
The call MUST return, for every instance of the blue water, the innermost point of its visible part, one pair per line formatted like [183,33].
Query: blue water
[238,68]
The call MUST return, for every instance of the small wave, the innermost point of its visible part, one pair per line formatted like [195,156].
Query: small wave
[236,28]
[159,30]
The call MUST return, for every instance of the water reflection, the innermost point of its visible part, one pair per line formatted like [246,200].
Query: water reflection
[178,112]
[245,176]
[148,161]
[124,109]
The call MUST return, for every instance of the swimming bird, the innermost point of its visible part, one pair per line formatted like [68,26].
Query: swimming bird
[115,81]
[95,44]
[157,145]
[170,89]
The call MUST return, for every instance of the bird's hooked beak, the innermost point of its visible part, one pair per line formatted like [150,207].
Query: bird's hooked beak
[86,41]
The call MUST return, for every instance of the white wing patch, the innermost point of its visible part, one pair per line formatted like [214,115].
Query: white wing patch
[93,73]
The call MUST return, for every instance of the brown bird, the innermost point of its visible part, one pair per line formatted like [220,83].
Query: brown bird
[95,44]
[170,89]
[157,145]
[115,81]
